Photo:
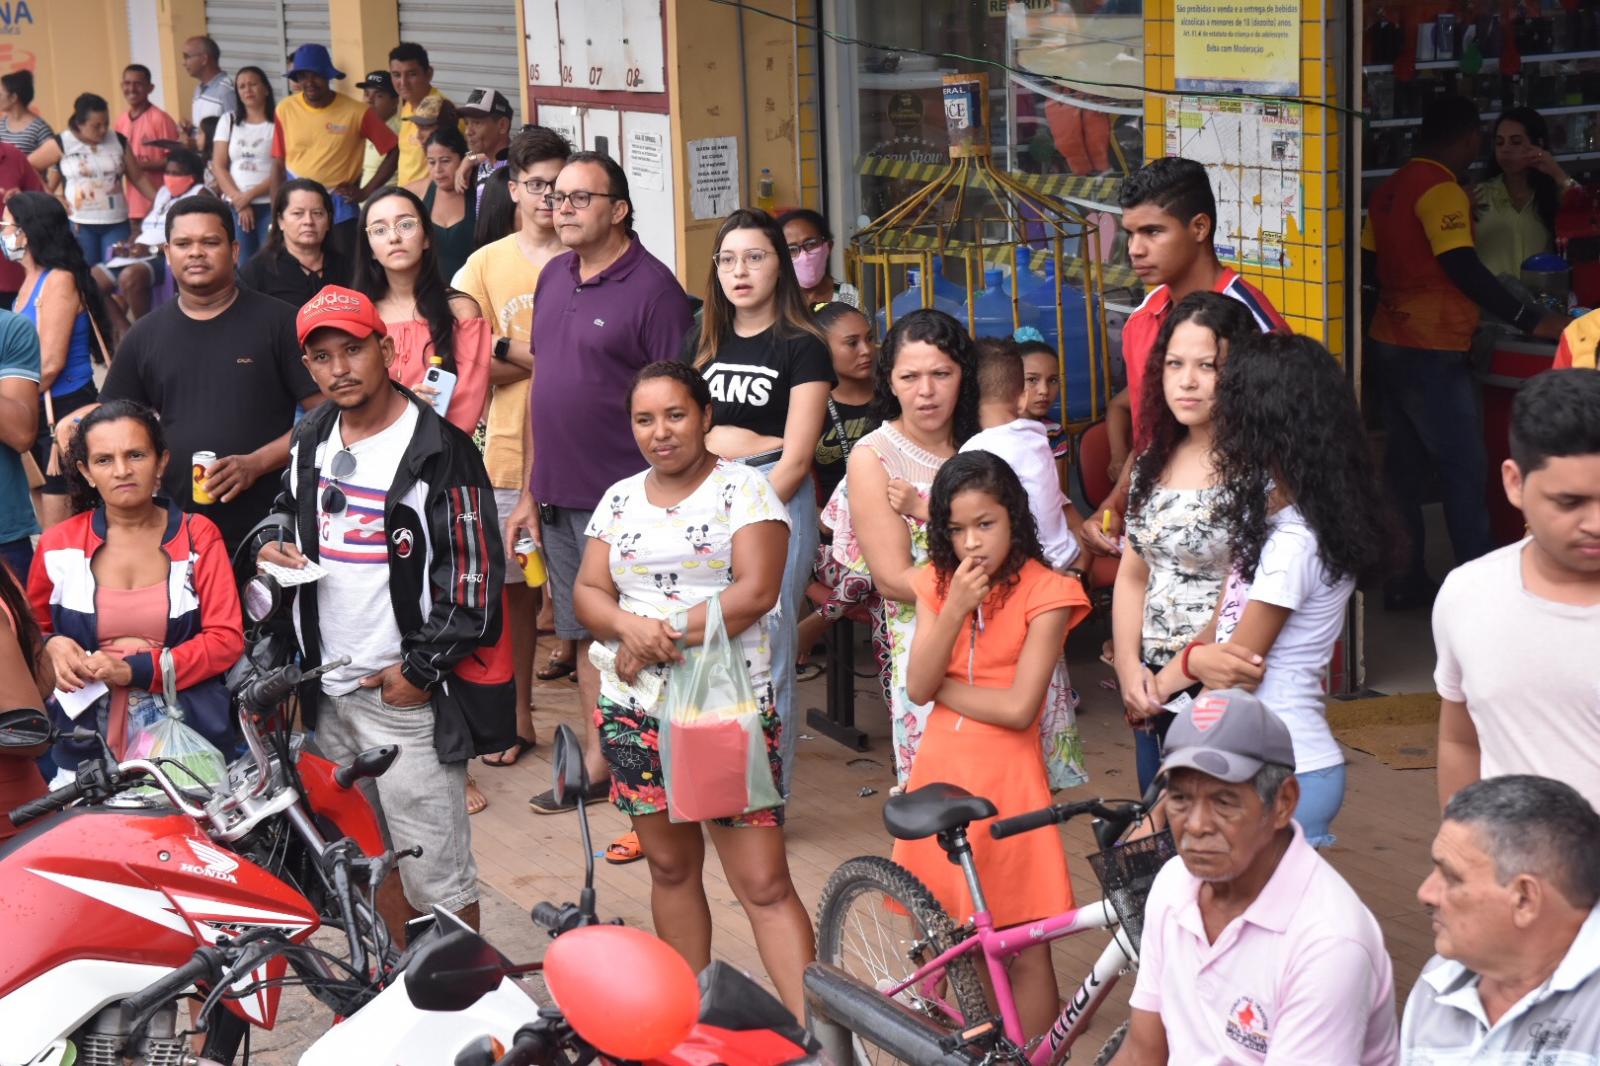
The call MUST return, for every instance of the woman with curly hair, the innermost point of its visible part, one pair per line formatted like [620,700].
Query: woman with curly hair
[1304,519]
[1176,557]
[925,387]
[991,619]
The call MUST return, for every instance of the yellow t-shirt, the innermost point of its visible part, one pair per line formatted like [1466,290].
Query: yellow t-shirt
[373,159]
[501,279]
[1418,214]
[413,160]
[326,143]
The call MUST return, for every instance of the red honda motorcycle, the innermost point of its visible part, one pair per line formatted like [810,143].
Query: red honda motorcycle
[118,896]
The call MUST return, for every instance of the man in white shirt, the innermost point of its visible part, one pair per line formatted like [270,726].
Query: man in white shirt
[1516,630]
[1516,876]
[1024,444]
[214,96]
[1254,949]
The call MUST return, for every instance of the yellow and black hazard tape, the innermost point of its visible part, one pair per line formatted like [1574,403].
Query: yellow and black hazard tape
[1100,190]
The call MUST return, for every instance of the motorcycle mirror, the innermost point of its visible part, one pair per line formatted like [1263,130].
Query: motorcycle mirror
[454,972]
[261,597]
[571,778]
[26,727]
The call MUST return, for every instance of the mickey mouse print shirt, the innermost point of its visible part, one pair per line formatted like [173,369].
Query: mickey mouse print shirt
[669,559]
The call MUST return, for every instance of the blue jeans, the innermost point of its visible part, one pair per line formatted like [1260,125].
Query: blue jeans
[250,241]
[1321,796]
[96,238]
[797,566]
[18,555]
[1431,415]
[1147,748]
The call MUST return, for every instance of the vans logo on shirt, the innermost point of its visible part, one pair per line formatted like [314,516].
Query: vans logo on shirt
[1247,1025]
[741,383]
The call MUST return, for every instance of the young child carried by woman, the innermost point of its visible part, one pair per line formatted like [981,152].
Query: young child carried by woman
[991,619]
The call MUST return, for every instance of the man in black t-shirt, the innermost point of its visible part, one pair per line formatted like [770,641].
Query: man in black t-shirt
[221,366]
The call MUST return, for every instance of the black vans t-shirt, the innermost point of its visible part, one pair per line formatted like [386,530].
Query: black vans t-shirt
[751,377]
[228,384]
[856,420]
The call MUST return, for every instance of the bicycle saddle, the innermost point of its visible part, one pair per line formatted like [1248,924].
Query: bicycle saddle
[933,809]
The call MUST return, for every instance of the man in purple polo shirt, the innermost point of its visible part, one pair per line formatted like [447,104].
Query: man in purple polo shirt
[600,312]
[1254,948]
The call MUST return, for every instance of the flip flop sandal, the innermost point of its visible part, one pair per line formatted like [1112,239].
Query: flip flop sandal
[624,849]
[483,801]
[518,750]
[545,802]
[554,669]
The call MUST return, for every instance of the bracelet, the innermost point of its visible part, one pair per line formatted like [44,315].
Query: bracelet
[1183,661]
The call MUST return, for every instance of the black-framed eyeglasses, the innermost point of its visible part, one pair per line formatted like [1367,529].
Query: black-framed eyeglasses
[805,247]
[340,468]
[580,198]
[537,186]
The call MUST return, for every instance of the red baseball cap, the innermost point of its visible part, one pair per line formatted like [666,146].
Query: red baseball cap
[337,307]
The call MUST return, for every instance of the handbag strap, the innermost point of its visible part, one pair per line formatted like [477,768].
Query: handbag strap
[99,338]
[838,427]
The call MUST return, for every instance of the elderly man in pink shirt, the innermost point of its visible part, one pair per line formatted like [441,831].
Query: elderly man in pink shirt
[1254,949]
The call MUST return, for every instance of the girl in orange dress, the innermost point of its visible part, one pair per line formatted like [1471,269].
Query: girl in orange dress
[991,618]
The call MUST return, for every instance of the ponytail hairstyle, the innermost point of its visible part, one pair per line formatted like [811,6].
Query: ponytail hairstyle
[433,295]
[85,497]
[716,322]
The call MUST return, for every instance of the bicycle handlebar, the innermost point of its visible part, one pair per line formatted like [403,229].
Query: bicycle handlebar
[1054,815]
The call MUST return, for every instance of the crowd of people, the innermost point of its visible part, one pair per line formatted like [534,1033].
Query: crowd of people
[340,374]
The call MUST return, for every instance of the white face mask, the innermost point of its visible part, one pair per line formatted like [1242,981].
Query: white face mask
[11,246]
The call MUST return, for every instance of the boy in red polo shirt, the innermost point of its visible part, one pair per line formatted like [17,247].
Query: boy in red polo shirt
[1170,215]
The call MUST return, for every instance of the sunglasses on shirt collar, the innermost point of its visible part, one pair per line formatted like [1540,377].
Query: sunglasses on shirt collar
[340,468]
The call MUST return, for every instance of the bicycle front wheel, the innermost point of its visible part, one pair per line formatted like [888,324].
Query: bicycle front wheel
[879,924]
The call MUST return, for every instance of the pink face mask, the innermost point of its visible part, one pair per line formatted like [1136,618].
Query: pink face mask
[811,267]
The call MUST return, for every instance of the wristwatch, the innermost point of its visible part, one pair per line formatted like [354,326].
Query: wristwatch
[502,349]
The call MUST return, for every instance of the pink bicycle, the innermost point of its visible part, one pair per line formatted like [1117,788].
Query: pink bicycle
[881,925]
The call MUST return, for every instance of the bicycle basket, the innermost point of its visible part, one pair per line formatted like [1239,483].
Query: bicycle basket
[1126,872]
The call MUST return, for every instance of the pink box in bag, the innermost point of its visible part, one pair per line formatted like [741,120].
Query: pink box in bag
[707,769]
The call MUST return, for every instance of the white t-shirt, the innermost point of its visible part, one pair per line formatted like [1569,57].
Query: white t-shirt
[668,559]
[1024,444]
[92,178]
[354,613]
[153,229]
[1528,670]
[249,153]
[1291,574]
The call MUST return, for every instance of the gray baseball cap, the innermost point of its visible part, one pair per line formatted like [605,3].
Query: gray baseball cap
[1229,735]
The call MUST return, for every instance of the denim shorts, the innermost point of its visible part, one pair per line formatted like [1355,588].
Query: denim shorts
[419,800]
[564,542]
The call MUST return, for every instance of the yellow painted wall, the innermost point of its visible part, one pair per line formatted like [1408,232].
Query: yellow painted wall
[1311,292]
[72,46]
[362,32]
[717,93]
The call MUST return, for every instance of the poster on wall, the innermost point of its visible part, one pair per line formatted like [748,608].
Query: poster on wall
[713,176]
[1252,150]
[1237,46]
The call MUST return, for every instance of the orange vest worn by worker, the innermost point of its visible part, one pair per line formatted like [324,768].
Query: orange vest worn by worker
[1579,342]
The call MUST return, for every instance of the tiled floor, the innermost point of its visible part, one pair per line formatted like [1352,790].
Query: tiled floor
[1384,829]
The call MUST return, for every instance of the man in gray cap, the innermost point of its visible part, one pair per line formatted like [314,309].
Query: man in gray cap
[1254,948]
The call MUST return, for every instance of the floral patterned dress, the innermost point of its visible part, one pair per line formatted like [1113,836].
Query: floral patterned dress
[1178,535]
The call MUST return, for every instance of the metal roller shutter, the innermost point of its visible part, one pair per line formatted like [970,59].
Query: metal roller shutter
[470,43]
[306,22]
[262,33]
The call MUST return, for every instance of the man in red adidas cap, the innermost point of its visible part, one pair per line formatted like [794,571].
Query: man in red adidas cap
[394,504]
[1254,949]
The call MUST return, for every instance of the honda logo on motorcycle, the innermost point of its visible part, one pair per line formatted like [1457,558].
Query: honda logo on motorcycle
[213,862]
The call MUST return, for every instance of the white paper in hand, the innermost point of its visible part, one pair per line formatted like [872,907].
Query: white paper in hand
[289,576]
[75,703]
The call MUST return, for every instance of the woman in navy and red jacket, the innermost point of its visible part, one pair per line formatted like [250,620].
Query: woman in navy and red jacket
[128,575]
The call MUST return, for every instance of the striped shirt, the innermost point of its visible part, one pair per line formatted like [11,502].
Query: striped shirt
[29,137]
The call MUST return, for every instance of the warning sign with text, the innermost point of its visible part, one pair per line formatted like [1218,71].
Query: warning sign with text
[1225,46]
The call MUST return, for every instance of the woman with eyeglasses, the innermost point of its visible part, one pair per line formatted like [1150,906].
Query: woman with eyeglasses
[770,373]
[298,259]
[128,575]
[809,242]
[397,267]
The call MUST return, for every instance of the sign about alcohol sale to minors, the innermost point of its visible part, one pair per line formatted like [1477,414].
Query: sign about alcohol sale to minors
[1229,46]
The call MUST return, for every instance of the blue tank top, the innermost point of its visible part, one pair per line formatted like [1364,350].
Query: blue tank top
[79,370]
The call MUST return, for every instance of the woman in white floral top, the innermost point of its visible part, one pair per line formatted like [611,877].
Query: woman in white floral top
[926,385]
[662,544]
[1168,582]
